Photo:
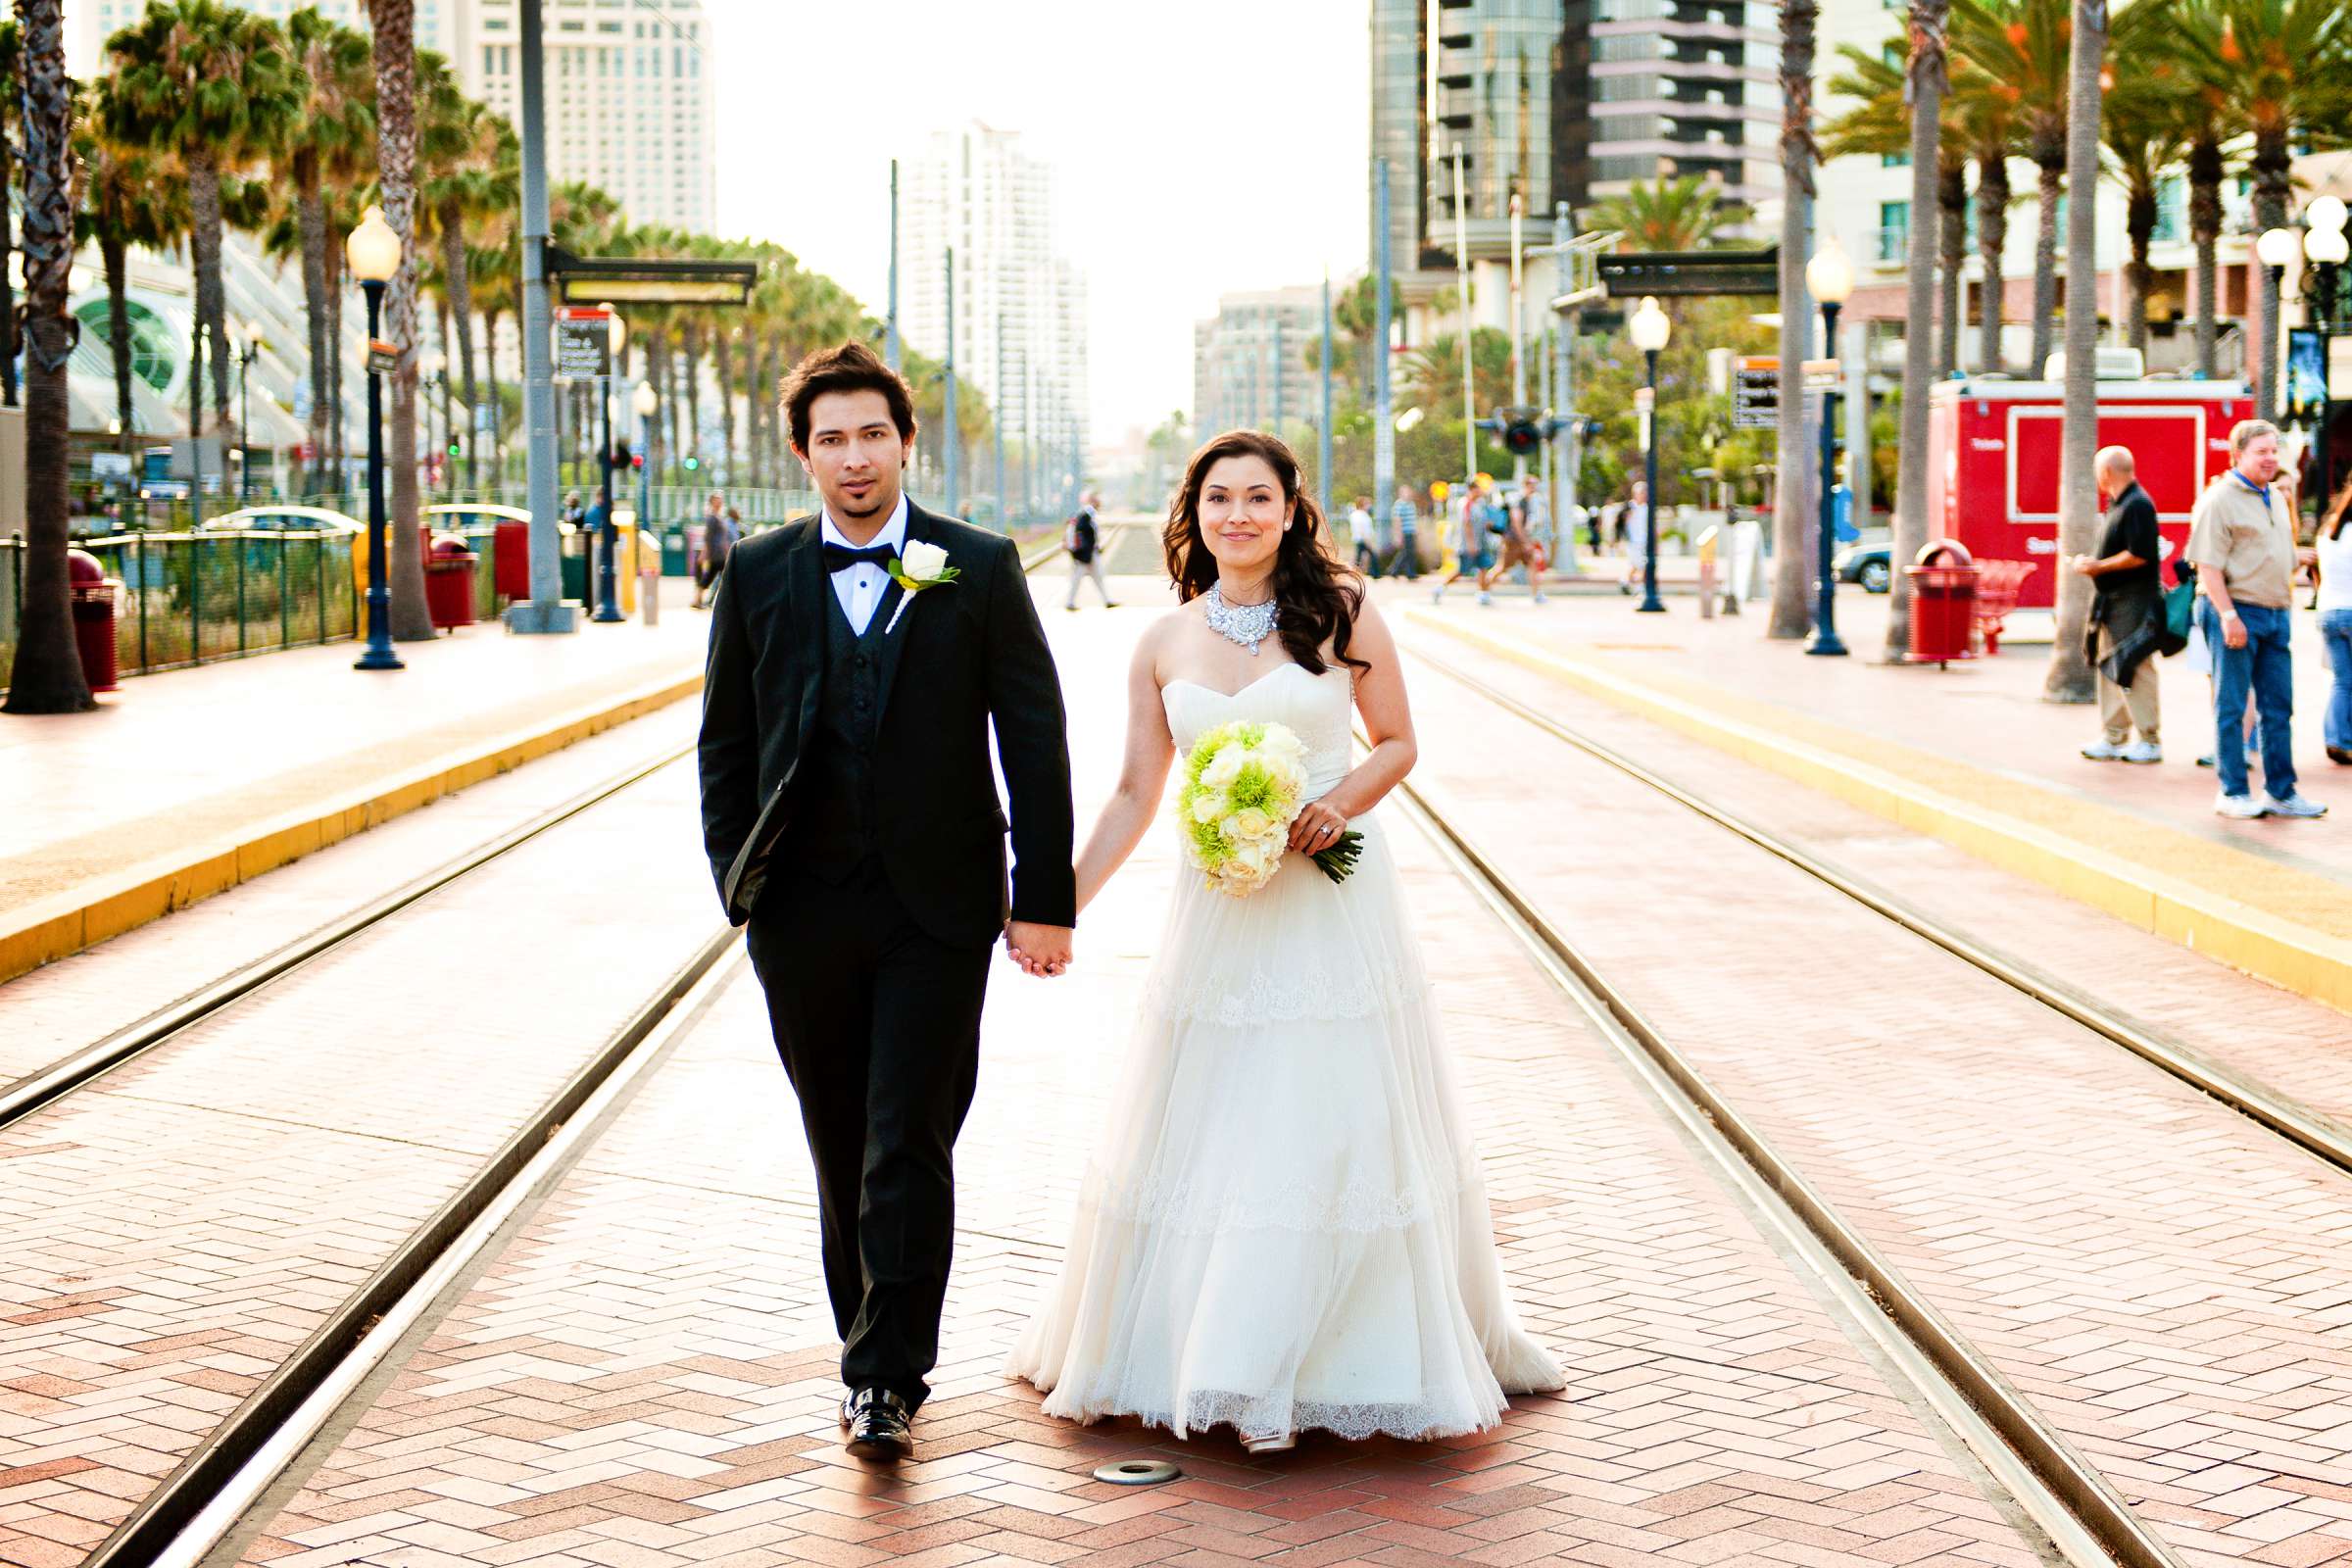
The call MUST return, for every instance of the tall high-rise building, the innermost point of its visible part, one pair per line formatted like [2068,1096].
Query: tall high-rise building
[628,87]
[1020,305]
[1249,364]
[1562,100]
[629,105]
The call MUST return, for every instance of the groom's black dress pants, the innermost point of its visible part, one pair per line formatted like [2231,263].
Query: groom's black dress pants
[879,1027]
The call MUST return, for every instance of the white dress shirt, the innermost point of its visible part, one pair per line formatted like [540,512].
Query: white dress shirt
[859,588]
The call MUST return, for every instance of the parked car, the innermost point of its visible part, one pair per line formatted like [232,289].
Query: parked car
[289,518]
[1866,564]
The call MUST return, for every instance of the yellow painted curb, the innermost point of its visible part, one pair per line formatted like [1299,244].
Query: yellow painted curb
[2303,960]
[48,929]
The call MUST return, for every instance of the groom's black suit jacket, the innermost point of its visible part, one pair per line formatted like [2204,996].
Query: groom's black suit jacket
[963,655]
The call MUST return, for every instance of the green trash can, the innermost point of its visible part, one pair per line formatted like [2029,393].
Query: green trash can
[574,561]
[673,553]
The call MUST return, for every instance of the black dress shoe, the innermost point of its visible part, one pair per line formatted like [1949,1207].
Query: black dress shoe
[879,1425]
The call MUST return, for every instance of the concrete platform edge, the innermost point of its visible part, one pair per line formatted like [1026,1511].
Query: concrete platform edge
[2307,961]
[52,928]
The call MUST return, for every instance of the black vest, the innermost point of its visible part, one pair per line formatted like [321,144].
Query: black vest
[833,827]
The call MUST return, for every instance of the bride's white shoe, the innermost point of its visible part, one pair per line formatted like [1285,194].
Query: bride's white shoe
[1270,1443]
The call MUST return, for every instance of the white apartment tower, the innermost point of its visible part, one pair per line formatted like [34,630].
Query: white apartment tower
[628,87]
[1020,306]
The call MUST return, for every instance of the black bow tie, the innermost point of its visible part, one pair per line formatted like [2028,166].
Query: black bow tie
[841,558]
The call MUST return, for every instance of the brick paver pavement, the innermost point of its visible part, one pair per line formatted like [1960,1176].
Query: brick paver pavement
[646,1375]
[192,756]
[170,1233]
[2164,1278]
[65,1005]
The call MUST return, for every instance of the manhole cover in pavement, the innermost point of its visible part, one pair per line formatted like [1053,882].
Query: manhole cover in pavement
[1137,1472]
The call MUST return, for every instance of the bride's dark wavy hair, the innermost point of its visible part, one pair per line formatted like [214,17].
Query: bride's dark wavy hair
[1319,598]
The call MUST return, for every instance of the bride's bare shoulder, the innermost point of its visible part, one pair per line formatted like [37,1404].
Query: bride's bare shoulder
[1162,634]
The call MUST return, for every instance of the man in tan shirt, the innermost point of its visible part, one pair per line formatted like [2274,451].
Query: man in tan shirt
[2241,539]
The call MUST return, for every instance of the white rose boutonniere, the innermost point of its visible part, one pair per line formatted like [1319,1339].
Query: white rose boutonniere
[920,565]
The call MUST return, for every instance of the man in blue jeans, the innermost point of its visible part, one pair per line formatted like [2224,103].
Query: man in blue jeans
[2241,539]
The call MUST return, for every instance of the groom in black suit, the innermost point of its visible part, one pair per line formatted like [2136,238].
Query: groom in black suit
[851,817]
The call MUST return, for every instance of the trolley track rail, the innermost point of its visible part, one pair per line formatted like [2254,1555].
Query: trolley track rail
[2063,1492]
[47,1086]
[2309,1129]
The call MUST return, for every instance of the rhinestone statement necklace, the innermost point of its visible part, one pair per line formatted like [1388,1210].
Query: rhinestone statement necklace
[1245,624]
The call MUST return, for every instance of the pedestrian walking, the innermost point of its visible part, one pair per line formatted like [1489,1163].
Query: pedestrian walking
[2335,549]
[2126,615]
[1407,560]
[1082,537]
[1361,529]
[717,542]
[2241,539]
[1632,528]
[1473,554]
[1529,542]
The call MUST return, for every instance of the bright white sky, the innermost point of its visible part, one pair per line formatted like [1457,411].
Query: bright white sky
[1200,147]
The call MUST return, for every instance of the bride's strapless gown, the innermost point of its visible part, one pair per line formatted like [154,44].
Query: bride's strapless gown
[1285,1226]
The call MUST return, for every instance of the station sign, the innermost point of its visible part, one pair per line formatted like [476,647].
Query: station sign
[583,342]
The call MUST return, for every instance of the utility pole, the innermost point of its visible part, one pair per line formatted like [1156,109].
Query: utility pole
[890,340]
[1278,367]
[1518,331]
[545,611]
[1462,273]
[948,408]
[996,420]
[1323,469]
[1384,425]
[1563,386]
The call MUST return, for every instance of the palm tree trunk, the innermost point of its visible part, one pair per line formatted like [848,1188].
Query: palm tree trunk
[338,435]
[1993,240]
[2045,257]
[310,209]
[1951,193]
[722,356]
[2270,166]
[2139,225]
[46,676]
[460,282]
[115,259]
[2069,676]
[11,345]
[395,26]
[1794,510]
[2205,170]
[1925,81]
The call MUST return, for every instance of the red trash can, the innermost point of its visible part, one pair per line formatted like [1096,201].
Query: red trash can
[449,583]
[510,558]
[1943,602]
[94,598]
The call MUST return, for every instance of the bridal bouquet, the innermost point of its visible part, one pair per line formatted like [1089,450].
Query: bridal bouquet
[1244,785]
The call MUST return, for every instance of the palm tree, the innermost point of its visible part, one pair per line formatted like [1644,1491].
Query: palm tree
[2069,676]
[472,173]
[217,88]
[11,61]
[1795,507]
[332,141]
[1880,124]
[395,50]
[1925,66]
[2022,45]
[46,676]
[130,195]
[1981,108]
[2283,66]
[1675,214]
[2146,132]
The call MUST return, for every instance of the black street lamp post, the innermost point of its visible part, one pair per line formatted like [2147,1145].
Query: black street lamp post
[1650,328]
[607,603]
[1829,278]
[373,250]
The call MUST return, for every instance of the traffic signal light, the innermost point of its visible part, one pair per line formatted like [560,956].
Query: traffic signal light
[637,462]
[1522,430]
[692,463]
[453,448]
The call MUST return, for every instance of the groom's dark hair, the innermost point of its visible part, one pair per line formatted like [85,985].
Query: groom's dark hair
[850,368]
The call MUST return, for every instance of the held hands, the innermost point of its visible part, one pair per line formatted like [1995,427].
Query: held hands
[1043,951]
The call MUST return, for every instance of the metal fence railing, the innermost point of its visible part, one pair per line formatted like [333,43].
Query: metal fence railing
[191,599]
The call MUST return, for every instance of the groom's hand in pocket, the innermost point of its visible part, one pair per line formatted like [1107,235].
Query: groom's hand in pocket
[1040,950]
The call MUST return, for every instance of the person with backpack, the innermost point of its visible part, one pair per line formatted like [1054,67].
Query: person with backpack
[1082,537]
[2126,615]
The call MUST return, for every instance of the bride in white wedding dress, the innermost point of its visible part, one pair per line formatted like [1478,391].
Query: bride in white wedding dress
[1284,1227]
